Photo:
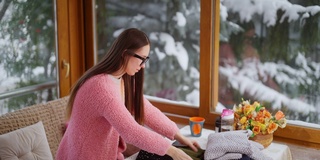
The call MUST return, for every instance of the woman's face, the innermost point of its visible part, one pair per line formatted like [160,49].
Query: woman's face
[135,61]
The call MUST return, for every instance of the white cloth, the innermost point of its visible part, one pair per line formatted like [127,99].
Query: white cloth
[231,145]
[278,151]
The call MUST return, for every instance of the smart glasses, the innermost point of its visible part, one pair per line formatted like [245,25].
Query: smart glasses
[144,60]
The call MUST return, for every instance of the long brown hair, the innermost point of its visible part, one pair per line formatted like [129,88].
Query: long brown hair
[115,60]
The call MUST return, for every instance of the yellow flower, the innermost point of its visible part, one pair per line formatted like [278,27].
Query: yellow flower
[256,104]
[243,120]
[261,125]
[248,109]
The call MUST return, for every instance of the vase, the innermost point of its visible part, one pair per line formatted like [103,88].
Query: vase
[264,139]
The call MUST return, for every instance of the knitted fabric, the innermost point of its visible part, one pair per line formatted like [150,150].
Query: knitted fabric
[100,125]
[231,145]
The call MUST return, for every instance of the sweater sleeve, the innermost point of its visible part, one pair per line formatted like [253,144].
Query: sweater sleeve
[158,121]
[112,108]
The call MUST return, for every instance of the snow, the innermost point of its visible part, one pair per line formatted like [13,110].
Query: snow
[303,124]
[190,97]
[139,17]
[194,73]
[223,12]
[38,70]
[245,80]
[160,54]
[313,9]
[172,48]
[181,20]
[268,8]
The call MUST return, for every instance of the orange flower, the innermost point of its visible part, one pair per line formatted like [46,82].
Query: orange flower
[256,130]
[272,127]
[267,114]
[260,114]
[260,119]
[279,115]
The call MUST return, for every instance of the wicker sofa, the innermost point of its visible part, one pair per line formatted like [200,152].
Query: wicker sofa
[52,115]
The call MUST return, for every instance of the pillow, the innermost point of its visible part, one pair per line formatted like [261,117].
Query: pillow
[26,143]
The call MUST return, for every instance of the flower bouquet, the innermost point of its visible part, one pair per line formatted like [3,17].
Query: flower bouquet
[258,119]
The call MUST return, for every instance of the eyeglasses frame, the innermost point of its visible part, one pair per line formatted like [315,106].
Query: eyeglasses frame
[144,60]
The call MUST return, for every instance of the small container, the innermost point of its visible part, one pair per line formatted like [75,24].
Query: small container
[196,126]
[227,120]
[218,125]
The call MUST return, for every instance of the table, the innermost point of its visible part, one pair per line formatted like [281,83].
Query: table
[275,151]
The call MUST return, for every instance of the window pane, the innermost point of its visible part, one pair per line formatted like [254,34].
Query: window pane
[269,51]
[27,55]
[173,27]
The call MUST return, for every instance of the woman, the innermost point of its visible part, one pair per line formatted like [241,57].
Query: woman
[107,109]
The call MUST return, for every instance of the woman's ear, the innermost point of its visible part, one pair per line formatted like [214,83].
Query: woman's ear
[123,52]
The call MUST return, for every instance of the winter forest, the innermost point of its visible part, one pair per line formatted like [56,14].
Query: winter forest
[269,50]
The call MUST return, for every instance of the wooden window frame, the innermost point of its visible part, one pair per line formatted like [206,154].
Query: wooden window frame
[81,44]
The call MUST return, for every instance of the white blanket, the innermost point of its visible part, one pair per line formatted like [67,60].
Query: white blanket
[231,145]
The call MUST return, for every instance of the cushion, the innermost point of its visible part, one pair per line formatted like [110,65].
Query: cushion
[26,143]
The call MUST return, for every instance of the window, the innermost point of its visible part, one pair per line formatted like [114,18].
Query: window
[173,27]
[271,54]
[27,57]
[39,50]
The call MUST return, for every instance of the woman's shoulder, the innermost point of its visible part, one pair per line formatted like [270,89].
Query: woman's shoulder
[102,80]
[104,77]
[98,78]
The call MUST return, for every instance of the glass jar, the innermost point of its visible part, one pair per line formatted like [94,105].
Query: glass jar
[227,120]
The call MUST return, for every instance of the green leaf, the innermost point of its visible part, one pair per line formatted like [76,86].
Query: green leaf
[258,108]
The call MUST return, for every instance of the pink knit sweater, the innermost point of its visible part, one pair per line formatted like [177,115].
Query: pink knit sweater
[100,125]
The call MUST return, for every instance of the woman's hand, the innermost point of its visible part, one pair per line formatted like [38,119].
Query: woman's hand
[177,154]
[186,141]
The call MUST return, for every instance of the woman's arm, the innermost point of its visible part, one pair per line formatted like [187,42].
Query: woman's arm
[158,121]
